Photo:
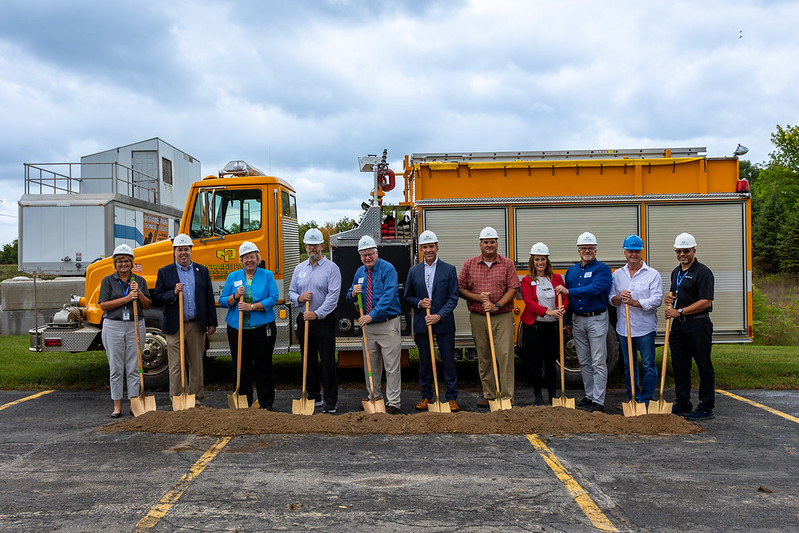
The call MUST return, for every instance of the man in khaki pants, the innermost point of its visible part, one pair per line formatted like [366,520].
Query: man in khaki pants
[488,282]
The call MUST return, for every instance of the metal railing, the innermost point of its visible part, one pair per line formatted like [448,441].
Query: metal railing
[76,178]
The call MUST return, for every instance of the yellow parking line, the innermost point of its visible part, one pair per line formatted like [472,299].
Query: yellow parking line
[173,495]
[31,397]
[591,510]
[786,416]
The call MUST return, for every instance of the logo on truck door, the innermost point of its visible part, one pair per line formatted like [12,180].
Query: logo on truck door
[226,254]
[219,271]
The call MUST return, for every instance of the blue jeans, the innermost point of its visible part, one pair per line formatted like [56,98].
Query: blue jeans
[645,345]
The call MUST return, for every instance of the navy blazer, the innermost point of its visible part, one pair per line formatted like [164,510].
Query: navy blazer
[164,295]
[445,297]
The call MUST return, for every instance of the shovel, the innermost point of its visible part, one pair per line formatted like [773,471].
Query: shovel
[631,408]
[497,404]
[303,406]
[662,407]
[236,400]
[563,401]
[437,406]
[140,404]
[371,405]
[182,401]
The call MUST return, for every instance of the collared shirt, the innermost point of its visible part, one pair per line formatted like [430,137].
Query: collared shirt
[429,276]
[385,290]
[477,276]
[322,280]
[186,276]
[112,288]
[696,283]
[646,286]
[588,286]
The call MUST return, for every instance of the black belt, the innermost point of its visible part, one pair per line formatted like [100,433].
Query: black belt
[693,317]
[386,320]
[591,313]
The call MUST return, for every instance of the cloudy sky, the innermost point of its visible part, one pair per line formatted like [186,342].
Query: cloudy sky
[302,88]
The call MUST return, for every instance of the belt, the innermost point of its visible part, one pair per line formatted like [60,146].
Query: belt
[386,320]
[693,317]
[591,313]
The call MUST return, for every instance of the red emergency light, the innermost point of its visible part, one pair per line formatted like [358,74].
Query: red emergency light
[52,341]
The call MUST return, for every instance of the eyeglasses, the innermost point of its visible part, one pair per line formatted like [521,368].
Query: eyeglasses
[368,254]
[680,251]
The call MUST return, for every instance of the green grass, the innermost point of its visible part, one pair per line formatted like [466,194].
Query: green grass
[737,366]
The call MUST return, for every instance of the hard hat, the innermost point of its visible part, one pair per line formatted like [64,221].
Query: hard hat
[313,236]
[684,240]
[539,248]
[247,247]
[427,237]
[633,242]
[489,233]
[123,249]
[586,239]
[366,243]
[181,239]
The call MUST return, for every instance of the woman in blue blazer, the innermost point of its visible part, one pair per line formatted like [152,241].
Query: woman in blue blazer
[254,291]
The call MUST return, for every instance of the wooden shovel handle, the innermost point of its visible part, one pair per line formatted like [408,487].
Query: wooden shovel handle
[665,353]
[630,350]
[493,352]
[305,350]
[432,356]
[366,350]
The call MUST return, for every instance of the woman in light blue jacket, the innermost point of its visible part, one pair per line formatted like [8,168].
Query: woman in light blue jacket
[254,291]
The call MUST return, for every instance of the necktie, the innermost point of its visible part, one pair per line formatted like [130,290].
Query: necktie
[368,304]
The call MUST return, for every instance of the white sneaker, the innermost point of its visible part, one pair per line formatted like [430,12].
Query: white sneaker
[319,403]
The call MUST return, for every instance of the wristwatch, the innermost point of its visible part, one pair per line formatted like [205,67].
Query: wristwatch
[680,311]
[498,307]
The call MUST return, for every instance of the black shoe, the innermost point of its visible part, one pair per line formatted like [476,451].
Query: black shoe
[390,409]
[596,408]
[116,415]
[539,400]
[700,414]
[681,410]
[585,402]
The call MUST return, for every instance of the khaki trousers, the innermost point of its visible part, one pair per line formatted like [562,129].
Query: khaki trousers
[385,349]
[193,349]
[502,329]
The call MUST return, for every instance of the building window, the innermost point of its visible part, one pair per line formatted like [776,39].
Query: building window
[167,170]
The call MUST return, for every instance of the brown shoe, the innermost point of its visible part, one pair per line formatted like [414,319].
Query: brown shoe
[483,403]
[453,406]
[422,406]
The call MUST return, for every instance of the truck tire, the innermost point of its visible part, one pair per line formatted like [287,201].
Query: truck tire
[155,356]
[573,376]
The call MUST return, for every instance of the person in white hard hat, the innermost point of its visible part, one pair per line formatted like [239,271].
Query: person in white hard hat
[692,287]
[199,315]
[488,282]
[433,285]
[377,282]
[254,291]
[540,319]
[117,292]
[640,287]
[588,284]
[318,281]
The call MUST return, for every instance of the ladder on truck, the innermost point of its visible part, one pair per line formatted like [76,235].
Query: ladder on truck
[557,155]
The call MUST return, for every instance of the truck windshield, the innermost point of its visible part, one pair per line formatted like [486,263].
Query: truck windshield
[219,212]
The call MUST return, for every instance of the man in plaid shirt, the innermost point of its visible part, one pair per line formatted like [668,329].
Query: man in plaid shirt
[488,282]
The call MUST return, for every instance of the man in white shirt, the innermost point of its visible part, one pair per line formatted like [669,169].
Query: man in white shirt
[641,287]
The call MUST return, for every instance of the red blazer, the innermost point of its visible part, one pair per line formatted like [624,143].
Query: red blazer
[532,309]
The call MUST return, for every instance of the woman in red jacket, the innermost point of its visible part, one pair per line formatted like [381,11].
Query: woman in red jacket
[540,318]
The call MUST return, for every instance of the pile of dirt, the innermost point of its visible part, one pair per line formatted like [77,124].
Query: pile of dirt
[517,421]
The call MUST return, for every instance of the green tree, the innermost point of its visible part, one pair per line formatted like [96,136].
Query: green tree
[9,254]
[768,216]
[788,248]
[344,224]
[748,171]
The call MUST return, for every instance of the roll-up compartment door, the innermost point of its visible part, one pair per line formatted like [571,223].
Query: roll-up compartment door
[720,236]
[559,226]
[458,232]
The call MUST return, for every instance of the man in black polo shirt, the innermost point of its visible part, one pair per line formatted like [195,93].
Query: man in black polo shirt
[691,330]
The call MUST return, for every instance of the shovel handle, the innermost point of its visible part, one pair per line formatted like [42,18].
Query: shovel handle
[562,349]
[238,351]
[630,350]
[432,356]
[366,351]
[305,350]
[493,353]
[138,347]
[182,349]
[665,353]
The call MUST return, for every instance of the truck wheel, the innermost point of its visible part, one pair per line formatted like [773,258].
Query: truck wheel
[156,362]
[572,365]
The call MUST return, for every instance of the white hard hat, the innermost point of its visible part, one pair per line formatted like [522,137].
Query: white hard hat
[427,237]
[123,249]
[489,233]
[539,248]
[181,239]
[313,236]
[247,247]
[366,243]
[684,240]
[586,239]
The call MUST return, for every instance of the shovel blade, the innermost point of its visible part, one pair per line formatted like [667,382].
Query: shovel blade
[183,401]
[563,402]
[141,404]
[303,406]
[499,404]
[237,401]
[374,406]
[438,407]
[633,408]
[660,408]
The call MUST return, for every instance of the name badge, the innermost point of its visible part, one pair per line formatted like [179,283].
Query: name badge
[587,274]
[238,283]
[360,281]
[303,274]
[125,315]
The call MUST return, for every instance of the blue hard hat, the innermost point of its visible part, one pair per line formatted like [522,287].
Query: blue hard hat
[633,242]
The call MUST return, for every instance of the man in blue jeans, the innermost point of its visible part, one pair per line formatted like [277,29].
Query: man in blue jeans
[640,287]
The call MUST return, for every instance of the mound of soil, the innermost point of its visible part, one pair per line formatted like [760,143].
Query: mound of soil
[519,420]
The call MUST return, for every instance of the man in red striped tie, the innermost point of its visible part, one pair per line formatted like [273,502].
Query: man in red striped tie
[377,279]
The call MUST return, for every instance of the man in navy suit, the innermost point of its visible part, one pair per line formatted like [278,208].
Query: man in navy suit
[199,315]
[433,284]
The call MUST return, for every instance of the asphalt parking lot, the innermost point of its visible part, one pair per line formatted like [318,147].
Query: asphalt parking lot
[57,472]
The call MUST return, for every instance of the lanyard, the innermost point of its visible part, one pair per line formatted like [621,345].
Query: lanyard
[679,281]
[125,290]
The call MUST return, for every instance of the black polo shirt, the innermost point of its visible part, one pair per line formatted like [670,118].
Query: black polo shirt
[690,286]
